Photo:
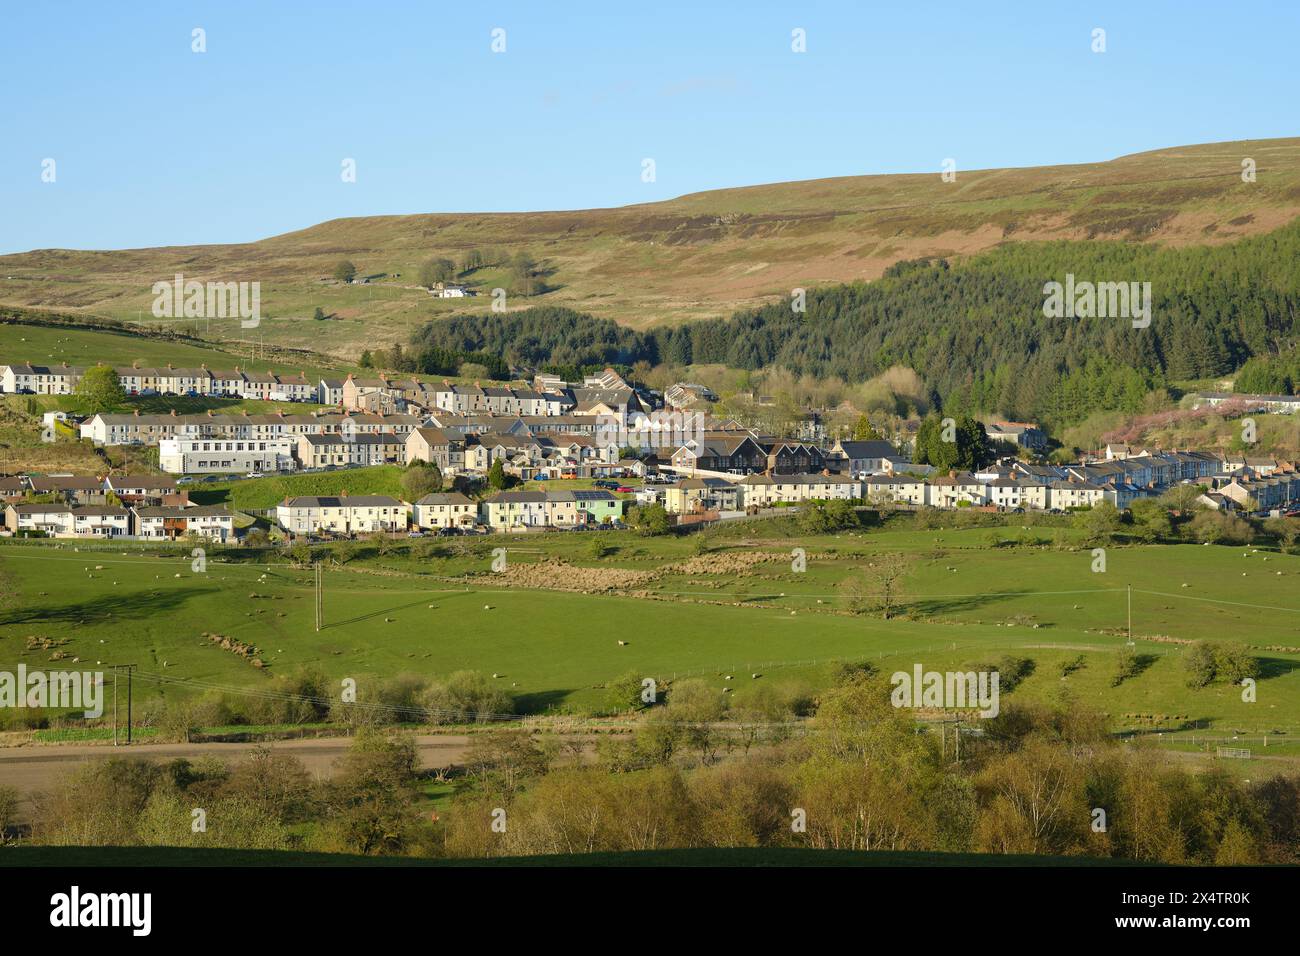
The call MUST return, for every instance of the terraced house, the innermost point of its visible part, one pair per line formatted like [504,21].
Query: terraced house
[174,521]
[446,510]
[764,491]
[342,515]
[495,400]
[364,449]
[24,378]
[145,489]
[508,510]
[580,507]
[137,429]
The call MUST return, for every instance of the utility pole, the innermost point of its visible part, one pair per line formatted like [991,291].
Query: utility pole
[116,668]
[320,606]
[129,669]
[1130,615]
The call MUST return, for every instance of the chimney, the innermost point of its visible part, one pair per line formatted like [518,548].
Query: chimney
[136,412]
[173,413]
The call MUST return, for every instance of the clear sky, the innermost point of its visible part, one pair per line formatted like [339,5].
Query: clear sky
[157,145]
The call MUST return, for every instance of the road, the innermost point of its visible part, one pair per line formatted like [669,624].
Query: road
[29,769]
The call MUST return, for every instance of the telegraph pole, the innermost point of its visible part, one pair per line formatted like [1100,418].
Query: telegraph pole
[1130,615]
[129,669]
[320,605]
[116,668]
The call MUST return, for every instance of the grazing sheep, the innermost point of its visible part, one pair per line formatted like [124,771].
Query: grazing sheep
[622,643]
[754,676]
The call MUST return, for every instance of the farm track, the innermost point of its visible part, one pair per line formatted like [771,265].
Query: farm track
[31,769]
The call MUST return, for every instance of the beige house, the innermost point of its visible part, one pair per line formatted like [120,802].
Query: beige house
[449,510]
[344,514]
[895,489]
[702,494]
[437,447]
[764,491]
[956,489]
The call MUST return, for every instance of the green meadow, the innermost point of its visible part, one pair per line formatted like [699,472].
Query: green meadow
[49,345]
[435,607]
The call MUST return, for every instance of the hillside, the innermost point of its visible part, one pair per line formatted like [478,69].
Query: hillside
[698,256]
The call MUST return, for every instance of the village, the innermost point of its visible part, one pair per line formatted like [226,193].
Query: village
[610,446]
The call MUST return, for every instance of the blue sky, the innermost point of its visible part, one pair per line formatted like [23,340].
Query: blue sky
[157,145]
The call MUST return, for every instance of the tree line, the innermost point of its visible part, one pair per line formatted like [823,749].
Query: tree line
[702,770]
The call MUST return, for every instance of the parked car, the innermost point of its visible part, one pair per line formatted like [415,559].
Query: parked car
[254,474]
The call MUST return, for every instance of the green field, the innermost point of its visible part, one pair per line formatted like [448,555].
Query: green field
[556,649]
[50,345]
[259,493]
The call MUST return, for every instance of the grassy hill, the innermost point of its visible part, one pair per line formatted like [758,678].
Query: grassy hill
[258,493]
[700,255]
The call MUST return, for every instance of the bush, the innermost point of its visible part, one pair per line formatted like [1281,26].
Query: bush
[1126,665]
[1208,661]
[466,696]
[1198,662]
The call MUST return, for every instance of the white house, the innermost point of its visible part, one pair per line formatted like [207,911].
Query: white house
[448,510]
[170,522]
[344,514]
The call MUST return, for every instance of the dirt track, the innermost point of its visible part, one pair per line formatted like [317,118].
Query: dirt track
[30,769]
